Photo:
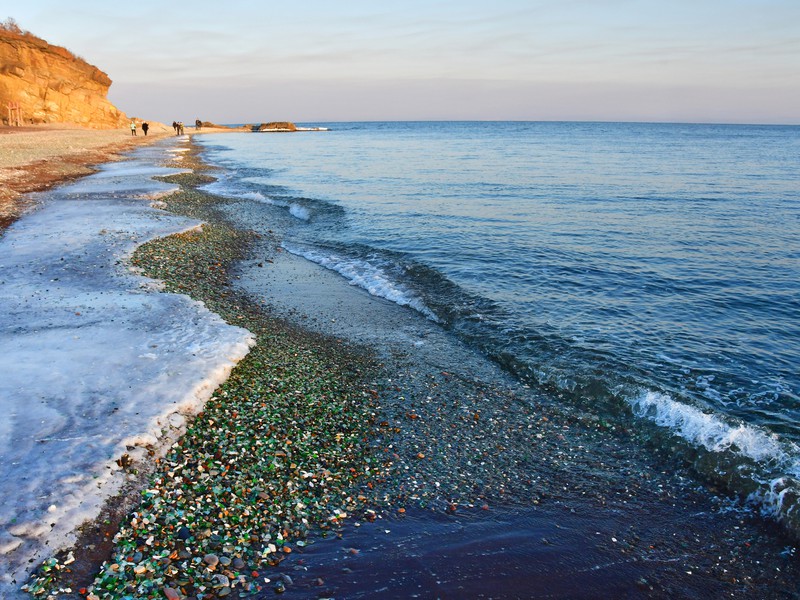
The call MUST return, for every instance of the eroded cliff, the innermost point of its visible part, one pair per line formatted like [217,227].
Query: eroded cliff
[51,85]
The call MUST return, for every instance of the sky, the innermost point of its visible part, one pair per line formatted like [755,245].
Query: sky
[242,61]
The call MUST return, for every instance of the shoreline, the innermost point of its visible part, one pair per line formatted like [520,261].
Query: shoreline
[37,158]
[412,426]
[95,361]
[337,414]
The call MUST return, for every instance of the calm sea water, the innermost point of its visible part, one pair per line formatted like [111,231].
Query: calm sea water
[650,272]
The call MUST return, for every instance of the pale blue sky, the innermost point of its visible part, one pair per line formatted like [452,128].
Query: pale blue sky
[244,61]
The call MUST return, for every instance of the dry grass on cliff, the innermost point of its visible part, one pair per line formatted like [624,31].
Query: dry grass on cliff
[10,30]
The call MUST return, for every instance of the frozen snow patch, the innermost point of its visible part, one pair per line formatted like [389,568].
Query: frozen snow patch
[93,359]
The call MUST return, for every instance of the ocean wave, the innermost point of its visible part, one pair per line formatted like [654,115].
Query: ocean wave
[223,188]
[296,209]
[751,461]
[252,196]
[711,432]
[300,212]
[301,208]
[371,276]
[780,501]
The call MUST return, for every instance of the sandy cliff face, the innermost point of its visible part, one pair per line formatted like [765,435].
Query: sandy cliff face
[52,85]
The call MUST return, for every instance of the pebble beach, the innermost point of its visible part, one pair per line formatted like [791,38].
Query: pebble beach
[331,467]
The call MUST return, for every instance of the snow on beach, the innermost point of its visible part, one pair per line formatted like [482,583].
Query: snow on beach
[93,359]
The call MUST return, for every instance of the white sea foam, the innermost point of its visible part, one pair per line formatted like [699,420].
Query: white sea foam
[775,495]
[252,196]
[713,433]
[93,361]
[300,212]
[365,275]
[220,188]
[779,500]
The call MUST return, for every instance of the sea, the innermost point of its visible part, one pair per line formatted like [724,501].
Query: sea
[648,273]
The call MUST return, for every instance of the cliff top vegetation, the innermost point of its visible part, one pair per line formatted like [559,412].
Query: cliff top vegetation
[10,30]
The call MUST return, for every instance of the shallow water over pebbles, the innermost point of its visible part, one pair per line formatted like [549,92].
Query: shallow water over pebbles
[504,492]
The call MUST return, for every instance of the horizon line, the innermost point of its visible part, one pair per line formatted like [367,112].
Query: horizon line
[587,121]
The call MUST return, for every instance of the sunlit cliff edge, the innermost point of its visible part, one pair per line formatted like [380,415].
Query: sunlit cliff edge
[49,84]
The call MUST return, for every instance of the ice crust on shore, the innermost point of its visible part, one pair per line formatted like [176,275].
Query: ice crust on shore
[93,360]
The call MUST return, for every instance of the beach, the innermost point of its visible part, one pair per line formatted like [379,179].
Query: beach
[352,452]
[35,158]
[73,349]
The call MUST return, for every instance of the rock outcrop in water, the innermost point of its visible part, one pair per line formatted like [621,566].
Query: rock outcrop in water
[49,84]
[276,126]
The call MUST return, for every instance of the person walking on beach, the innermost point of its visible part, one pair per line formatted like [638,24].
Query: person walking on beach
[133,127]
[175,127]
[145,127]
